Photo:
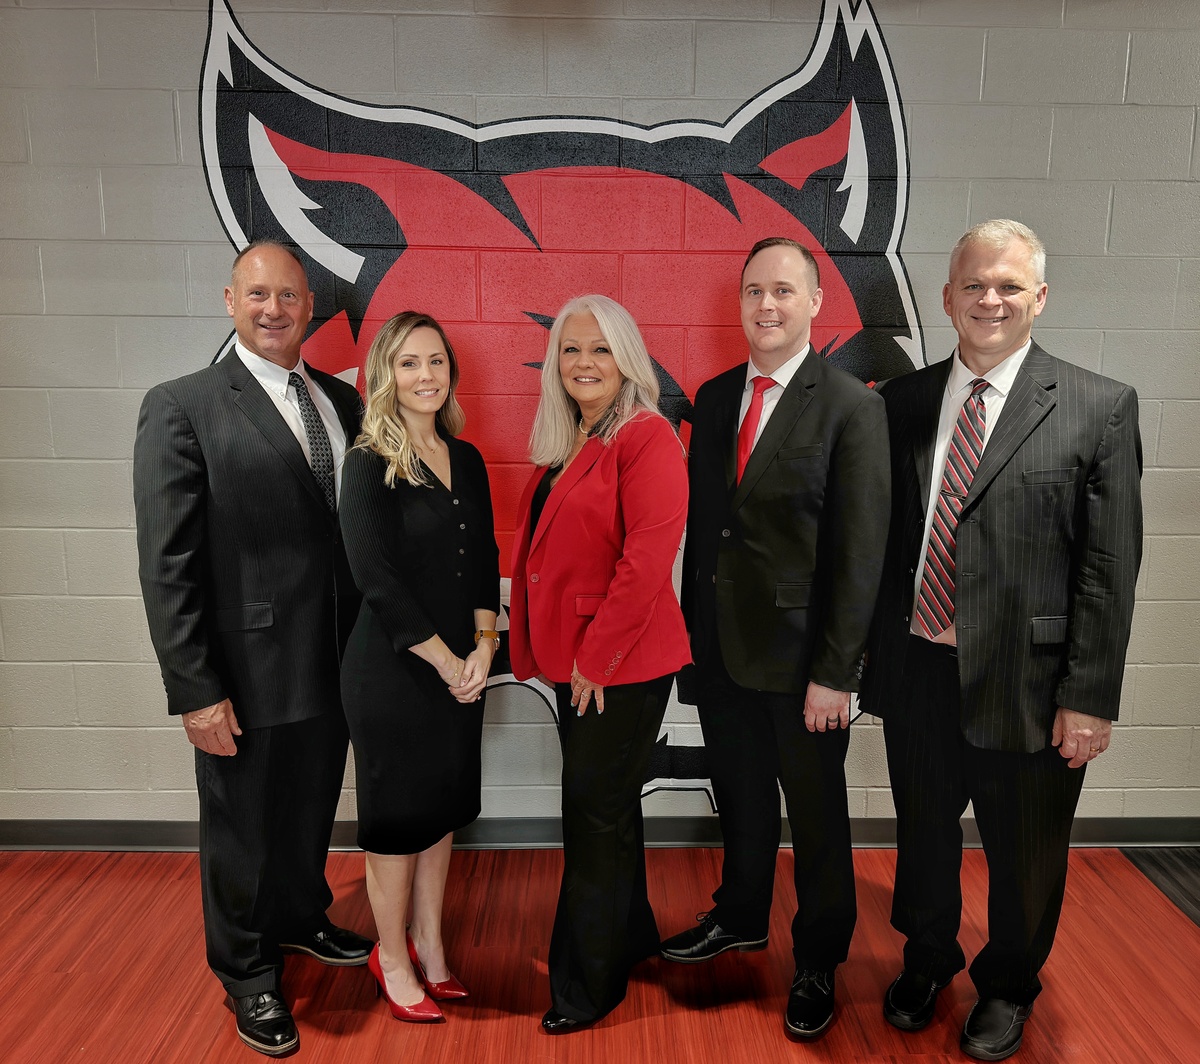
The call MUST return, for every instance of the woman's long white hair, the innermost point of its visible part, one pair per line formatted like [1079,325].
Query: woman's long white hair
[557,420]
[383,427]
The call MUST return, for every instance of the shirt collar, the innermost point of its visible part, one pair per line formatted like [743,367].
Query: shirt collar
[783,374]
[999,377]
[273,377]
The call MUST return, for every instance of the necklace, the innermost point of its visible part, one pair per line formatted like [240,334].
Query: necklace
[586,432]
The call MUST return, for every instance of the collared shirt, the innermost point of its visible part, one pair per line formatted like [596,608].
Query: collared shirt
[782,377]
[274,379]
[958,387]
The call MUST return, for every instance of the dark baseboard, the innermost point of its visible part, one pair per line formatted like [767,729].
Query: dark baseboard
[541,832]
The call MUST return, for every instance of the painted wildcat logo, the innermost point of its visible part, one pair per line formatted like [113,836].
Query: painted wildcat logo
[493,227]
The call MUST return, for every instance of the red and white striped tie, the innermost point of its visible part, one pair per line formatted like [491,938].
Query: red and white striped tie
[935,603]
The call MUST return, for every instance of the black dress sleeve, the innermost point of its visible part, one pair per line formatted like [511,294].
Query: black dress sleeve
[369,515]
[487,593]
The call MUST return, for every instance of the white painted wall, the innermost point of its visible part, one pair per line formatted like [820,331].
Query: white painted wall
[1076,116]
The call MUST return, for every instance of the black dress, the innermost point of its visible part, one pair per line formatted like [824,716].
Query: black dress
[425,559]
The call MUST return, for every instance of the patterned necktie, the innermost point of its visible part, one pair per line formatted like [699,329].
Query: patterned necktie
[318,440]
[750,423]
[935,603]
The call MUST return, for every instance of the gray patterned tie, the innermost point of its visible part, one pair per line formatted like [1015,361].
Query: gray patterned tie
[318,440]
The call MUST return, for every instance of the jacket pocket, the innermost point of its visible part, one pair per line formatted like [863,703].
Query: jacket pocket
[808,450]
[1048,476]
[246,617]
[1047,630]
[793,596]
[587,605]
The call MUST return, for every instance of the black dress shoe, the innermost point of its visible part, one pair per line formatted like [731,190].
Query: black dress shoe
[334,945]
[994,1028]
[264,1023]
[810,1004]
[705,941]
[556,1023]
[910,1001]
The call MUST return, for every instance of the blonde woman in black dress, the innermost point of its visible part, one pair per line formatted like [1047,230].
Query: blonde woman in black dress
[416,516]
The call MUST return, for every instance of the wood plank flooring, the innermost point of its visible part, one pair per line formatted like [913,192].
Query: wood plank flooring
[105,964]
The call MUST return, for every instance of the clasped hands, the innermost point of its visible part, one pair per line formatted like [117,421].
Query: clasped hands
[467,677]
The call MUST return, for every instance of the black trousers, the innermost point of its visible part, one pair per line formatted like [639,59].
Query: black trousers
[756,742]
[1024,805]
[604,924]
[266,814]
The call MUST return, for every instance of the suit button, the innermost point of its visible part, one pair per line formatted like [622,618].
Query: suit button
[462,526]
[533,578]
[461,550]
[726,533]
[455,502]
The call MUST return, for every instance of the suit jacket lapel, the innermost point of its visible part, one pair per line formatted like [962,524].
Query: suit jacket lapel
[346,415]
[573,474]
[796,396]
[726,424]
[1031,399]
[252,401]
[925,416]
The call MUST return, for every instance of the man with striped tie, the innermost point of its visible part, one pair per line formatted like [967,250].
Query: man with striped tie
[998,645]
[249,600]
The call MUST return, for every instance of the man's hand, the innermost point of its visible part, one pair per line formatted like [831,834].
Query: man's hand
[212,729]
[1080,738]
[825,708]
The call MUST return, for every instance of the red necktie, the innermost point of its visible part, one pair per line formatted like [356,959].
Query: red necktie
[935,603]
[750,423]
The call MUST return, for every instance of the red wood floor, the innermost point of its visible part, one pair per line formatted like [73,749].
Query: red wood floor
[104,962]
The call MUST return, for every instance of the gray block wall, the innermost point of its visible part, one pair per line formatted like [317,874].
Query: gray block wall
[1077,116]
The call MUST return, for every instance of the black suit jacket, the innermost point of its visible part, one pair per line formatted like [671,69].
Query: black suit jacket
[781,570]
[244,577]
[1048,548]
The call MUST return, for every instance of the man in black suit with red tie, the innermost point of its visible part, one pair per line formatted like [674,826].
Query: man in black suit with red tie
[998,645]
[249,601]
[787,521]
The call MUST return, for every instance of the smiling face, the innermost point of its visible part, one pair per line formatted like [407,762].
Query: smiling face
[271,306]
[779,300]
[587,366]
[422,369]
[992,297]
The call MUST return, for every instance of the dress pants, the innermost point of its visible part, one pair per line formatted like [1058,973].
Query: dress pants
[1024,805]
[604,924]
[757,741]
[266,814]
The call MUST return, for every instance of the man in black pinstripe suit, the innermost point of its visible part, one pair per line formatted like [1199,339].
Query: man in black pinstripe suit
[249,601]
[998,644]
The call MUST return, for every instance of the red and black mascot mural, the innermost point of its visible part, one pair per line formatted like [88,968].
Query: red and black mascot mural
[492,227]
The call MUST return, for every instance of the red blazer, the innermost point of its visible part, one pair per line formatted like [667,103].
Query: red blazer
[594,585]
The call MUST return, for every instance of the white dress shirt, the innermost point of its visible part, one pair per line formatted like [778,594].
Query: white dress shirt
[958,387]
[782,377]
[274,379]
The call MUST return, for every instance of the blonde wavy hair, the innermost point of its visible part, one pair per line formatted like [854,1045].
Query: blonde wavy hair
[383,427]
[557,419]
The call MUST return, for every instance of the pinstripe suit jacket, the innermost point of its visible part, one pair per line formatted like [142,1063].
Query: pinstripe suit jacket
[247,590]
[1048,548]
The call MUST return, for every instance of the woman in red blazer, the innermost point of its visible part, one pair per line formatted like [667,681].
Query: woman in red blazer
[593,611]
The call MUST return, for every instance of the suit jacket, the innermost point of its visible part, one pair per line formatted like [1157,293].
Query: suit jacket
[592,585]
[1047,551]
[246,586]
[781,570]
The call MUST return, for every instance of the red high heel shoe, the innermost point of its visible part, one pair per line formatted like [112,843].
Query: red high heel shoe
[447,990]
[424,1011]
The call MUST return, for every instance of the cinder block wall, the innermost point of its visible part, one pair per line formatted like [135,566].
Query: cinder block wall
[1077,116]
